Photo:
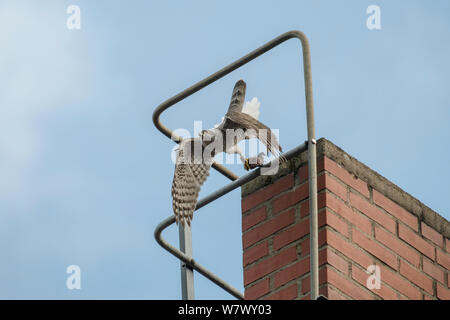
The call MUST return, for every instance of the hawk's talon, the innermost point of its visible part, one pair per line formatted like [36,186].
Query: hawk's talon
[246,164]
[254,162]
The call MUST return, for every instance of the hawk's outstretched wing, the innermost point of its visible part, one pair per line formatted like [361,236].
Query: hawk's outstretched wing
[255,129]
[190,174]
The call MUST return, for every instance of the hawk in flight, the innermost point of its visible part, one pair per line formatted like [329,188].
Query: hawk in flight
[196,155]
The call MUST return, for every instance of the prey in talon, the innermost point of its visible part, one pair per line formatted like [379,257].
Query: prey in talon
[254,162]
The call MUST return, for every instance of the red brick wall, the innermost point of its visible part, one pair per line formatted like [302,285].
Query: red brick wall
[358,227]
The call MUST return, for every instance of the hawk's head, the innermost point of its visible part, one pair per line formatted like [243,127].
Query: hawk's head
[208,136]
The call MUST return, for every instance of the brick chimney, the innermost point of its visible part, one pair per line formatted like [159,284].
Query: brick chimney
[365,221]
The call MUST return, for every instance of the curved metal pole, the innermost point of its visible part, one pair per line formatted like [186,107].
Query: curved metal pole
[312,165]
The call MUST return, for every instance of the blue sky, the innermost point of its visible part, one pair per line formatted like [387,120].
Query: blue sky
[85,177]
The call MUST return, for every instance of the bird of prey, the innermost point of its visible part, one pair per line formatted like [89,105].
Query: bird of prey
[196,155]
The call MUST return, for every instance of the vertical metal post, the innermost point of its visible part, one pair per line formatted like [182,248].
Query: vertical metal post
[313,223]
[312,172]
[187,273]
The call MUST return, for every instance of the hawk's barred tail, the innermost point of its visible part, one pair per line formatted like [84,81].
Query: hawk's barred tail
[238,96]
